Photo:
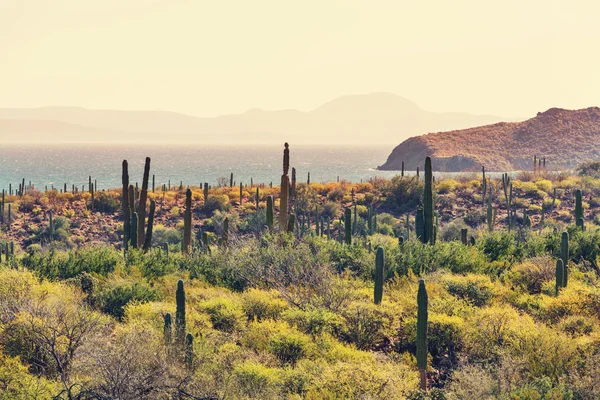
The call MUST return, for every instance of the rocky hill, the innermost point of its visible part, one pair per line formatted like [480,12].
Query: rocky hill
[564,137]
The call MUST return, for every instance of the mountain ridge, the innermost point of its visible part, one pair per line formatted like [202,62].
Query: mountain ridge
[383,118]
[564,137]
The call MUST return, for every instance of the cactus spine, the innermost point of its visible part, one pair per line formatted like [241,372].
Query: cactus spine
[142,203]
[148,238]
[348,226]
[284,190]
[422,316]
[379,275]
[560,275]
[270,212]
[180,314]
[564,255]
[187,222]
[428,204]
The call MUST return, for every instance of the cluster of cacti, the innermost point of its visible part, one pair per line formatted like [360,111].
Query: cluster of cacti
[182,341]
[379,275]
[539,164]
[422,316]
[9,251]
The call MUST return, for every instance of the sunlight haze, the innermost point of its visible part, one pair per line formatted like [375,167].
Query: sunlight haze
[208,58]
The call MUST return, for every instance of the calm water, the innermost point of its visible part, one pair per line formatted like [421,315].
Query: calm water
[56,165]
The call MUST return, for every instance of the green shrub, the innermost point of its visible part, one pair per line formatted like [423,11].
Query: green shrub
[225,315]
[476,289]
[116,295]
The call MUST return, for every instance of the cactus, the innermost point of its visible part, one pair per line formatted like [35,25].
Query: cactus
[180,313]
[231,180]
[422,333]
[134,230]
[9,216]
[417,174]
[308,179]
[168,330]
[534,163]
[370,219]
[205,193]
[508,197]
[472,241]
[402,171]
[400,240]
[291,223]
[316,220]
[257,197]
[483,185]
[293,187]
[560,275]
[463,236]
[428,204]
[205,242]
[148,237]
[564,255]
[490,215]
[189,350]
[419,226]
[187,222]
[379,264]
[270,212]
[284,190]
[225,235]
[348,226]
[2,208]
[153,182]
[51,226]
[141,210]
[407,227]
[578,209]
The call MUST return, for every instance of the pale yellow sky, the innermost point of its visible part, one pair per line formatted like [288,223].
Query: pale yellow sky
[206,58]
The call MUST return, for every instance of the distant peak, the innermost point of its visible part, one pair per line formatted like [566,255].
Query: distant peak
[375,100]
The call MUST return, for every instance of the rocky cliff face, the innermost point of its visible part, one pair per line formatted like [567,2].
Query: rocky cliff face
[564,137]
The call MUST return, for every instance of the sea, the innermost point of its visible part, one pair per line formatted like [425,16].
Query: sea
[54,165]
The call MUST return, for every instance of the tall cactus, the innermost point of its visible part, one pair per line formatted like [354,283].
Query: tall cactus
[463,236]
[291,223]
[490,214]
[141,210]
[205,192]
[419,225]
[379,275]
[422,316]
[241,194]
[284,190]
[167,329]
[134,230]
[180,328]
[148,237]
[225,235]
[51,225]
[483,184]
[560,275]
[187,222]
[578,209]
[270,212]
[125,205]
[231,180]
[348,226]
[564,255]
[428,203]
[189,350]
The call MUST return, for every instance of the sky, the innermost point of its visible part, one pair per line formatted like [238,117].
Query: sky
[208,58]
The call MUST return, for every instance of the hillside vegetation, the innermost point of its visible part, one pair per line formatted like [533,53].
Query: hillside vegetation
[409,288]
[565,138]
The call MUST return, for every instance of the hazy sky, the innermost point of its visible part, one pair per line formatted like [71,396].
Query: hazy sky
[508,58]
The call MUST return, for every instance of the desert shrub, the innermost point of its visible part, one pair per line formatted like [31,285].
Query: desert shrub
[255,380]
[366,324]
[471,382]
[454,256]
[225,314]
[117,294]
[403,193]
[105,203]
[476,289]
[331,210]
[446,186]
[498,245]
[100,260]
[216,203]
[289,347]
[530,274]
[451,231]
[474,217]
[590,168]
[577,325]
[161,235]
[16,383]
[260,305]
[314,321]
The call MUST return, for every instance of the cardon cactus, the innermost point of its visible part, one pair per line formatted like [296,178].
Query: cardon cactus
[270,212]
[125,205]
[284,190]
[422,316]
[141,210]
[564,255]
[134,230]
[180,313]
[187,222]
[560,275]
[578,209]
[291,223]
[428,214]
[205,192]
[463,236]
[189,350]
[148,238]
[348,226]
[225,235]
[379,275]
[167,329]
[419,225]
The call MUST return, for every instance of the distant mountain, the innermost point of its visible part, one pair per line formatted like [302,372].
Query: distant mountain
[564,137]
[377,118]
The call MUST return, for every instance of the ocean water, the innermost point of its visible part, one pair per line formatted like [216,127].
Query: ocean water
[72,164]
